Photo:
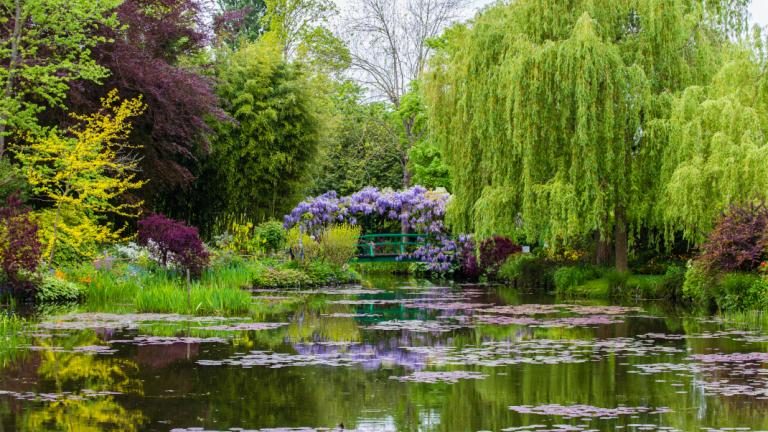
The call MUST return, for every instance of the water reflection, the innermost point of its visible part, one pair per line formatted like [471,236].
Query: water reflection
[404,356]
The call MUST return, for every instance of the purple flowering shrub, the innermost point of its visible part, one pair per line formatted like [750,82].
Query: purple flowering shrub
[421,210]
[417,208]
[739,241]
[20,247]
[173,243]
[494,252]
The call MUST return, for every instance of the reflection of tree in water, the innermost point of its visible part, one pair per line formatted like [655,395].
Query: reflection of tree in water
[79,374]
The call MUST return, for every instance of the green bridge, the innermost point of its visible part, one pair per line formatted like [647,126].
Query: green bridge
[389,247]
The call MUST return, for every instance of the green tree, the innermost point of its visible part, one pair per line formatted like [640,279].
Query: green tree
[542,106]
[260,160]
[45,45]
[83,173]
[360,149]
[241,19]
[715,148]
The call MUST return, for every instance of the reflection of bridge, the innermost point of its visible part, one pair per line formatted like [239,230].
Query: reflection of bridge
[389,247]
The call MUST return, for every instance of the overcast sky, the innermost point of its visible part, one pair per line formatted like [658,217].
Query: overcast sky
[758,9]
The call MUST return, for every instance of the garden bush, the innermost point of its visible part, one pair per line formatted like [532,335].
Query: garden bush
[568,277]
[20,247]
[54,290]
[493,252]
[338,244]
[739,241]
[698,285]
[308,250]
[173,243]
[276,277]
[527,271]
[272,235]
[469,267]
[741,292]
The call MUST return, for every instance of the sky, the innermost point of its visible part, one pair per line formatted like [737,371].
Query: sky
[758,9]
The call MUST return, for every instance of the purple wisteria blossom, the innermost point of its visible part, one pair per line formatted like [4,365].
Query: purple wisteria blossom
[419,209]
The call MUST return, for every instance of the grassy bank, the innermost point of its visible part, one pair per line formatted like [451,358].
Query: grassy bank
[220,290]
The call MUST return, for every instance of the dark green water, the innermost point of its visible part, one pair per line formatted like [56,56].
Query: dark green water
[361,360]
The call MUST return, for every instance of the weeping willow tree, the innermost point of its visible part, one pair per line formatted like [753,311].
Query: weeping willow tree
[717,151]
[542,106]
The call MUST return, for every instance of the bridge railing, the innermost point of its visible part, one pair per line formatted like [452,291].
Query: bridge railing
[380,247]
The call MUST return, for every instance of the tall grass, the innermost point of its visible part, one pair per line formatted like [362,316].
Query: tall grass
[199,300]
[11,338]
[125,288]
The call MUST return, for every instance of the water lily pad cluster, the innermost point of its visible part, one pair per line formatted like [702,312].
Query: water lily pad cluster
[448,377]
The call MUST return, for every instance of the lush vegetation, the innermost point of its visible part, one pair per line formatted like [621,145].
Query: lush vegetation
[587,134]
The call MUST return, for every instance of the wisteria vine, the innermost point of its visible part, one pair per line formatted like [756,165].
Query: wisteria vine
[420,209]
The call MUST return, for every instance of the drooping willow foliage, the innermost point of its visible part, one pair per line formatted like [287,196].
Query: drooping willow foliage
[716,150]
[551,112]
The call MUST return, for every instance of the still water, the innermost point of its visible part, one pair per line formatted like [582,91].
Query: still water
[390,355]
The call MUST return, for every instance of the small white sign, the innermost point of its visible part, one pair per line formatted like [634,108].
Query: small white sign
[526,249]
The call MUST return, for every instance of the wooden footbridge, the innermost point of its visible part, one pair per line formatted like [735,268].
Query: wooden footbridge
[389,247]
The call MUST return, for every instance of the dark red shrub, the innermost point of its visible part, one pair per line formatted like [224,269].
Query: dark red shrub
[739,241]
[494,251]
[173,243]
[20,247]
[469,268]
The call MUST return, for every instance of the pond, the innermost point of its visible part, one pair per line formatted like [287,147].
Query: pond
[390,354]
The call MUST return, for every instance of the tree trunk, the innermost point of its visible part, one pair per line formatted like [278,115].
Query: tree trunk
[621,241]
[12,65]
[602,250]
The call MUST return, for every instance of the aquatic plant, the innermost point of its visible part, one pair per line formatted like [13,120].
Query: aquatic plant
[447,377]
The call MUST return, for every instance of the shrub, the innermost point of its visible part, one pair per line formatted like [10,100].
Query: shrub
[469,268]
[20,247]
[617,284]
[54,290]
[527,270]
[323,273]
[272,235]
[173,243]
[309,248]
[698,284]
[338,244]
[240,239]
[671,287]
[568,277]
[494,251]
[739,241]
[741,291]
[274,277]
